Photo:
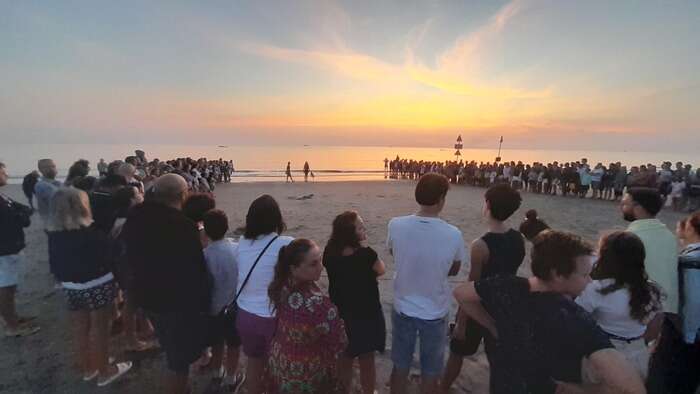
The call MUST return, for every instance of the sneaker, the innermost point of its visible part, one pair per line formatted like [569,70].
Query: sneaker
[232,385]
[22,331]
[122,368]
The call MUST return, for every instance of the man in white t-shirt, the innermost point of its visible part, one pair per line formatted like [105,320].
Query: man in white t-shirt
[426,251]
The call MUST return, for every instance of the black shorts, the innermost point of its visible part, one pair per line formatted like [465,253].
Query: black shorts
[222,329]
[474,334]
[182,336]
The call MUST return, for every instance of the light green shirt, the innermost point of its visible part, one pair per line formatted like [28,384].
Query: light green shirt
[661,261]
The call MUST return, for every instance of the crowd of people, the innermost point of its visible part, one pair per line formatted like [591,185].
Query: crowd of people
[679,185]
[142,245]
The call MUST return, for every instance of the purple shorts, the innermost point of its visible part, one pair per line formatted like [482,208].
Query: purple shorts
[256,333]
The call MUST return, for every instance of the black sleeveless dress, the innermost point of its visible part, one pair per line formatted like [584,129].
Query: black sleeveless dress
[353,288]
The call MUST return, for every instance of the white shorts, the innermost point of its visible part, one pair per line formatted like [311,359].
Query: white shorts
[9,270]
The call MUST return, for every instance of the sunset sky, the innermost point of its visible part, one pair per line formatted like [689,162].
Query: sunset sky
[552,74]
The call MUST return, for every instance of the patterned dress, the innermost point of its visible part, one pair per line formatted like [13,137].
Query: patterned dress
[309,339]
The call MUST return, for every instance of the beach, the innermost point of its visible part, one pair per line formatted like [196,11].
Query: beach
[42,363]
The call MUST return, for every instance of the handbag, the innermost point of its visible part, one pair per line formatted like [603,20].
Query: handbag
[231,309]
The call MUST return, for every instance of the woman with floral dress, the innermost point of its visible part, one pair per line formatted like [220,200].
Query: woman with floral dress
[310,334]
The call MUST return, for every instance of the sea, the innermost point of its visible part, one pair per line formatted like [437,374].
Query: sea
[328,163]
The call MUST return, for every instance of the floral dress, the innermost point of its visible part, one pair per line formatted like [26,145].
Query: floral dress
[309,339]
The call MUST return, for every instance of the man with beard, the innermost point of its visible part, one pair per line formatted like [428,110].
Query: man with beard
[640,207]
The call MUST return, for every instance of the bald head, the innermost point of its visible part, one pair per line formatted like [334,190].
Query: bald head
[170,189]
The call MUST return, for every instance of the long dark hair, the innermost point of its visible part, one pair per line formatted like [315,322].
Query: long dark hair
[344,234]
[621,258]
[289,256]
[264,217]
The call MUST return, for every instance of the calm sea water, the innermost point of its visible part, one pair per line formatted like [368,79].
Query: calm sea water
[329,163]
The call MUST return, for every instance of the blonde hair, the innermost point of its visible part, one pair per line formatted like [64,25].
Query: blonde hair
[70,210]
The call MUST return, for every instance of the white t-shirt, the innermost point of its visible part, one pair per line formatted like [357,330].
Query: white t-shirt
[220,257]
[254,297]
[611,310]
[424,249]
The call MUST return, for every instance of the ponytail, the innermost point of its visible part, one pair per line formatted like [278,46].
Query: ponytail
[289,256]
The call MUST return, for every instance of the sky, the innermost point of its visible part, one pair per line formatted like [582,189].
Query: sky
[607,75]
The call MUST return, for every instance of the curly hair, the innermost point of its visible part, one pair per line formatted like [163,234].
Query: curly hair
[621,258]
[344,234]
[289,256]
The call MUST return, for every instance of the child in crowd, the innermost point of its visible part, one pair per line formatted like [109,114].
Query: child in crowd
[223,271]
[532,225]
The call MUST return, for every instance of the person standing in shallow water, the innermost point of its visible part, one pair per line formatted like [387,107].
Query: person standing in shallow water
[307,169]
[353,269]
[288,173]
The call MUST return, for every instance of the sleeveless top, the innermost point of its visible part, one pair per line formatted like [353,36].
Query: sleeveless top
[506,253]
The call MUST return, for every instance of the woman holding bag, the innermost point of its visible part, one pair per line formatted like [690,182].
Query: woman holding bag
[498,252]
[257,255]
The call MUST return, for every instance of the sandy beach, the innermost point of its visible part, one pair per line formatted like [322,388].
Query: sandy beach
[43,363]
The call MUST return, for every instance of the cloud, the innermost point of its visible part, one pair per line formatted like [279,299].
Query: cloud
[450,76]
[466,52]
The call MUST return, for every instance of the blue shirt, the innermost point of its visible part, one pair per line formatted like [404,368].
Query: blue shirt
[689,272]
[44,190]
[222,266]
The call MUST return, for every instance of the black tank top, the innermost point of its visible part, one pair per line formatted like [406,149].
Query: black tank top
[506,253]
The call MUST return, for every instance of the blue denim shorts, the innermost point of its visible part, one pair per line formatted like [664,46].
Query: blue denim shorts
[433,341]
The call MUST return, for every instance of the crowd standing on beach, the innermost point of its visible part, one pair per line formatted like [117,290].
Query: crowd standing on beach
[678,185]
[144,246]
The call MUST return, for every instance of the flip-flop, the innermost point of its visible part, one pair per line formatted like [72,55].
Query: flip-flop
[122,368]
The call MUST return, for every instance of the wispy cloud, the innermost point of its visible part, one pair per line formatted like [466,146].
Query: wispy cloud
[451,75]
[468,49]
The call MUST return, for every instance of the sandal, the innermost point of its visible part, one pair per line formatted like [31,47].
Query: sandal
[122,368]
